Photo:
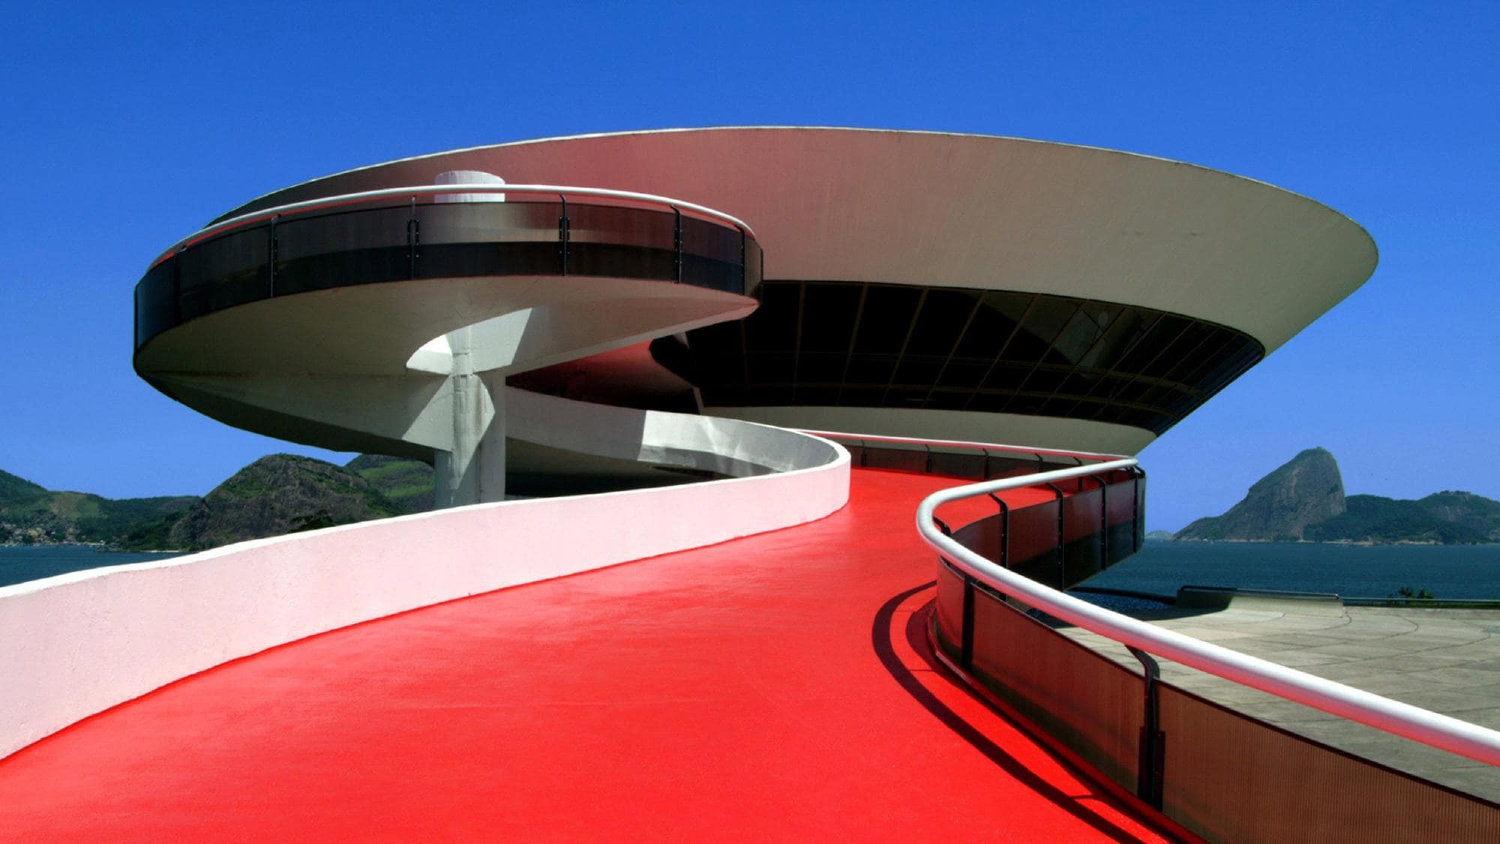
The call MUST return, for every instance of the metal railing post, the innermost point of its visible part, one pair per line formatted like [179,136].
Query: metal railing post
[1004,531]
[1103,522]
[744,265]
[1152,741]
[271,254]
[1062,535]
[677,243]
[564,233]
[413,238]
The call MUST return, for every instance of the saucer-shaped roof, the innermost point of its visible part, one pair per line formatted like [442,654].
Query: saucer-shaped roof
[948,210]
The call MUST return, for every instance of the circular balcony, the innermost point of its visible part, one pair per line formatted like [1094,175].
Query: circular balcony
[444,232]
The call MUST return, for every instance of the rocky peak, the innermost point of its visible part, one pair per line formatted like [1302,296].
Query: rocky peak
[1306,490]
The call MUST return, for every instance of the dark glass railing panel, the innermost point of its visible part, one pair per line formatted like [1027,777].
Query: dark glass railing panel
[621,226]
[223,272]
[156,301]
[342,249]
[489,222]
[466,260]
[395,241]
[711,241]
[1321,793]
[621,261]
[1087,703]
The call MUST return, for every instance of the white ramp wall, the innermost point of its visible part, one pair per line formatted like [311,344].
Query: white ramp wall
[77,644]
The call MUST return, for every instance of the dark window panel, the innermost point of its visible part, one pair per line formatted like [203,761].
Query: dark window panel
[828,313]
[861,396]
[989,401]
[820,368]
[918,371]
[993,324]
[906,397]
[1123,330]
[870,370]
[1027,403]
[817,396]
[773,326]
[1161,335]
[1047,317]
[887,318]
[764,395]
[943,316]
[948,399]
[963,373]
[1186,344]
[1006,376]
[1080,335]
[1044,379]
[1080,383]
[771,368]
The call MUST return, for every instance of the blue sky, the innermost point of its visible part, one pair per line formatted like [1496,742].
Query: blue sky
[126,128]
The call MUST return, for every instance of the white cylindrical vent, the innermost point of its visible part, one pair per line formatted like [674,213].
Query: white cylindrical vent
[468,177]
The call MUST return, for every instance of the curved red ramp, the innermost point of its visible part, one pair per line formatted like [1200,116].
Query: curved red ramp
[771,687]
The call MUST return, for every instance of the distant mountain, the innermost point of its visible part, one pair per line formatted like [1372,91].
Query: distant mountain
[1474,512]
[1304,500]
[274,495]
[1371,518]
[13,488]
[30,514]
[278,494]
[1306,490]
[407,483]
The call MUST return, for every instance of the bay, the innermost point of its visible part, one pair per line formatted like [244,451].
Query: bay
[1469,572]
[20,563]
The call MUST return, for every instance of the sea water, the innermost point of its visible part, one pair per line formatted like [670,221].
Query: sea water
[1351,571]
[1378,571]
[20,563]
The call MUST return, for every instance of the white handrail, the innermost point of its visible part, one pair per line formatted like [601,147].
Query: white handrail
[433,190]
[1392,716]
[1021,449]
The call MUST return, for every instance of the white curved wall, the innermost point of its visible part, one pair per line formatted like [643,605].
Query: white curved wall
[79,643]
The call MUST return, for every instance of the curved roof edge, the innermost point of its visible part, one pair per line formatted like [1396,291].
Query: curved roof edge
[963,210]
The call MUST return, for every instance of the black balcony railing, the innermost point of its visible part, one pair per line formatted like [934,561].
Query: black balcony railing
[390,239]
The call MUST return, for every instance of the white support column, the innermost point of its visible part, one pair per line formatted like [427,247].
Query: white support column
[474,470]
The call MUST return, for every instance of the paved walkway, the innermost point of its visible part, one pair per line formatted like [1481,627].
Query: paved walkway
[775,687]
[1445,660]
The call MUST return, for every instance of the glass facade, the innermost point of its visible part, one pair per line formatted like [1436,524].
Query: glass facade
[853,344]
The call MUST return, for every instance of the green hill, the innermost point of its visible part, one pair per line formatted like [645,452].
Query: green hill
[406,483]
[13,488]
[1371,518]
[31,514]
[278,494]
[274,495]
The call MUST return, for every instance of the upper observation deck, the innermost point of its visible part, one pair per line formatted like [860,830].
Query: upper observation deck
[342,321]
[443,232]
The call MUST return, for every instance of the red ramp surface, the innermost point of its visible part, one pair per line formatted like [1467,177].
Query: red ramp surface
[774,687]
